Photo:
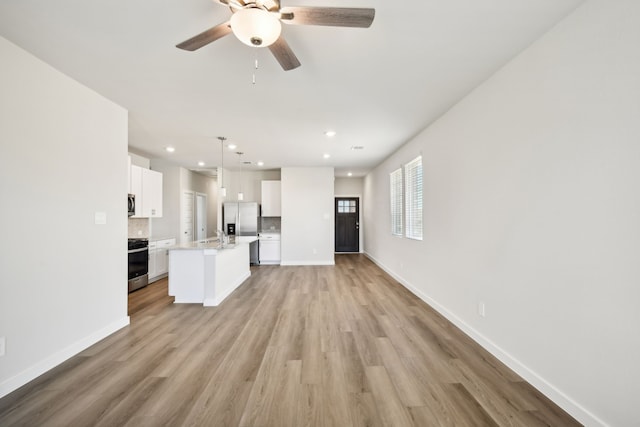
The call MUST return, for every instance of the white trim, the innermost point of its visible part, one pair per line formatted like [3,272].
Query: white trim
[557,396]
[187,300]
[56,359]
[332,262]
[195,214]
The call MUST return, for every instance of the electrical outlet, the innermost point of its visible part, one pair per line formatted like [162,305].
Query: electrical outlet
[315,251]
[3,345]
[481,309]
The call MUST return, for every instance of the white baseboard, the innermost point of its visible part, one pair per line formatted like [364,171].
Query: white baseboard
[213,302]
[330,262]
[187,300]
[55,359]
[558,397]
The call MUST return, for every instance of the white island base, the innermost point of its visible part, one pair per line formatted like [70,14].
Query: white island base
[201,273]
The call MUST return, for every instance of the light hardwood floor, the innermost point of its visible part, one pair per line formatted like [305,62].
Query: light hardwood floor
[293,346]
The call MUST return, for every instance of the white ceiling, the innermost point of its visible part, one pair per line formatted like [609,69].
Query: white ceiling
[375,87]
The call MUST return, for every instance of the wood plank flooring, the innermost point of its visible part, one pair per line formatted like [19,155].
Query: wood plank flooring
[152,297]
[293,346]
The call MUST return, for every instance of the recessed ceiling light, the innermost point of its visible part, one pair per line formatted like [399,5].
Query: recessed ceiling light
[260,163]
[330,133]
[200,164]
[170,149]
[326,155]
[349,174]
[232,146]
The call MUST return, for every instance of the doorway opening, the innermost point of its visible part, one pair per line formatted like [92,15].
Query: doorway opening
[201,216]
[347,223]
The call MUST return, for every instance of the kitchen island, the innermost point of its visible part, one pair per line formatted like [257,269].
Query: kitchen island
[205,273]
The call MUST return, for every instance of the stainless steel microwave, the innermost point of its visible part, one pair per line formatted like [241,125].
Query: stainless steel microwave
[131,203]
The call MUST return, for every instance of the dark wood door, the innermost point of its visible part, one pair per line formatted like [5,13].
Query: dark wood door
[347,224]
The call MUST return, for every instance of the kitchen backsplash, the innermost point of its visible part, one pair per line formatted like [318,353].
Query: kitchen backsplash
[138,228]
[271,223]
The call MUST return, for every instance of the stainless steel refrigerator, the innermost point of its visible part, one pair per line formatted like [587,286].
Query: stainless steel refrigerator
[241,219]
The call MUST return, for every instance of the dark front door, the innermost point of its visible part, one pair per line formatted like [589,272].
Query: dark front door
[347,225]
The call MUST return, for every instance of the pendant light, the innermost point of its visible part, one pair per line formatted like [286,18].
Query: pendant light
[223,190]
[240,193]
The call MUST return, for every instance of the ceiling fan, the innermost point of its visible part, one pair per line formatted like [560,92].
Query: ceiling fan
[257,23]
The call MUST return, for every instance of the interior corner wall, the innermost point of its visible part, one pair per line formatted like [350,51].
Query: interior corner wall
[531,206]
[63,252]
[307,233]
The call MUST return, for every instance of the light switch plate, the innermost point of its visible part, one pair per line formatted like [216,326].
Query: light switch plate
[101,218]
[481,309]
[3,343]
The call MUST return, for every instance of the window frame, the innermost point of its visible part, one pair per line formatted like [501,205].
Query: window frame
[413,192]
[396,195]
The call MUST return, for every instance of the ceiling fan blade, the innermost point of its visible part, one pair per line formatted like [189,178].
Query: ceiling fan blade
[284,54]
[206,37]
[330,16]
[238,4]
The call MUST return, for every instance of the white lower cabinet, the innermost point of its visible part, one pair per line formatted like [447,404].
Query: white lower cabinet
[269,249]
[152,259]
[159,258]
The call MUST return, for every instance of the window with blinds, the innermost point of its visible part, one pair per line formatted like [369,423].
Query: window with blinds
[395,179]
[413,198]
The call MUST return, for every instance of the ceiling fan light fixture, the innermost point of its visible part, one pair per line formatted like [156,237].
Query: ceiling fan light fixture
[256,27]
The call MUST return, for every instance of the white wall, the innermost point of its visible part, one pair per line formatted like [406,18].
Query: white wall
[198,183]
[352,187]
[175,180]
[139,160]
[249,181]
[63,279]
[348,186]
[532,205]
[307,234]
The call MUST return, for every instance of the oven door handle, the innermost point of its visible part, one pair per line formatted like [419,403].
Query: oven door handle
[133,251]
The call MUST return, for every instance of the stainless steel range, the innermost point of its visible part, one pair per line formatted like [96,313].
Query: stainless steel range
[138,259]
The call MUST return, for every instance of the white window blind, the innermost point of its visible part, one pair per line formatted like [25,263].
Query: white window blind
[395,180]
[413,198]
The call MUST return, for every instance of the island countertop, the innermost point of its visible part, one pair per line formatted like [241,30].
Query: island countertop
[213,243]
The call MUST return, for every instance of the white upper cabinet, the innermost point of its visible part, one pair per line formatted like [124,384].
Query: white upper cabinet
[135,188]
[151,194]
[147,187]
[271,198]
[129,174]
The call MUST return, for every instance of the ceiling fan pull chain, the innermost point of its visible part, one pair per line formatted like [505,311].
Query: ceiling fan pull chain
[254,73]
